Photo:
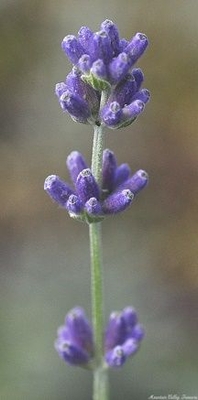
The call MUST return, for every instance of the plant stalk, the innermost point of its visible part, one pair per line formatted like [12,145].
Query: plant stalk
[100,383]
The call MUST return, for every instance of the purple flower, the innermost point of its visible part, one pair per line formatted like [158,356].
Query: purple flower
[79,99]
[103,61]
[122,337]
[86,200]
[75,344]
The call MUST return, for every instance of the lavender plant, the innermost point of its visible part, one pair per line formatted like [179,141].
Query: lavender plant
[103,90]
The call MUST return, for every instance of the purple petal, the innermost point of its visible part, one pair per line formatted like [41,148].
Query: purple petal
[62,333]
[60,88]
[143,95]
[112,114]
[79,329]
[75,84]
[84,63]
[124,91]
[116,357]
[136,183]
[70,353]
[122,173]
[108,170]
[132,110]
[123,44]
[138,332]
[130,317]
[74,205]
[57,189]
[72,48]
[75,164]
[116,331]
[87,186]
[117,202]
[136,47]
[93,207]
[139,77]
[130,346]
[119,67]
[75,105]
[112,31]
[98,69]
[100,47]
[84,37]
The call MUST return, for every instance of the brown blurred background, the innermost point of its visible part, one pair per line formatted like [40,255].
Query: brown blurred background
[150,252]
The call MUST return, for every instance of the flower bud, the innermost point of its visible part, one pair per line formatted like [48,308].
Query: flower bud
[143,95]
[138,76]
[98,69]
[136,47]
[116,330]
[131,111]
[74,205]
[60,88]
[75,105]
[124,91]
[100,47]
[116,357]
[70,353]
[123,337]
[130,317]
[74,342]
[122,173]
[112,31]
[57,189]
[119,67]
[136,183]
[79,328]
[84,37]
[87,186]
[84,63]
[109,165]
[138,332]
[93,207]
[75,163]
[117,202]
[72,48]
[75,84]
[111,114]
[129,347]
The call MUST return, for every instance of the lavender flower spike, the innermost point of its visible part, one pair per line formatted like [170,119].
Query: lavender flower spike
[87,201]
[122,338]
[103,62]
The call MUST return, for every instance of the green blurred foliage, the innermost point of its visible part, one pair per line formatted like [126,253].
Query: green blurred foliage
[150,252]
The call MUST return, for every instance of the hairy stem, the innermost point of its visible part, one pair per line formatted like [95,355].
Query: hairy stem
[97,287]
[97,151]
[100,384]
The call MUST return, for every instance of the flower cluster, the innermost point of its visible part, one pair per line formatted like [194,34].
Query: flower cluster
[88,201]
[75,339]
[103,62]
[122,338]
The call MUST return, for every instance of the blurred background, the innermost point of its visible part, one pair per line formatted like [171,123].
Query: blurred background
[150,252]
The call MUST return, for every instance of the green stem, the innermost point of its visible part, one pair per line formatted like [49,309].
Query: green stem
[97,287]
[100,384]
[97,151]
